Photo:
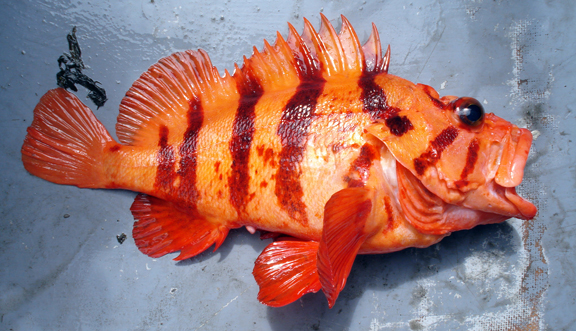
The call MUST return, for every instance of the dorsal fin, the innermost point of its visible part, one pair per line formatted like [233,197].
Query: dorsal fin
[162,96]
[351,46]
[373,60]
[165,94]
[315,55]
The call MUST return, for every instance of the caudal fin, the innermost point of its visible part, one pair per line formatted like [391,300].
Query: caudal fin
[66,142]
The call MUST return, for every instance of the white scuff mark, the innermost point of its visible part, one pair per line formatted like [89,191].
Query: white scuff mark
[223,307]
[376,305]
[486,265]
[376,325]
[485,102]
[147,267]
[424,318]
[519,86]
[443,85]
[529,91]
[535,134]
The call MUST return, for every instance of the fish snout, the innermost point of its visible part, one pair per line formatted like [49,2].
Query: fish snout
[511,169]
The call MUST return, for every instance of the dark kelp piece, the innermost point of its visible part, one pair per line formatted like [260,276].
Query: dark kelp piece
[70,74]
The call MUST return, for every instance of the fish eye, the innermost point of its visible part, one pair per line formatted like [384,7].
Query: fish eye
[468,110]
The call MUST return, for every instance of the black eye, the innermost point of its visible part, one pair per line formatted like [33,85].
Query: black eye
[468,110]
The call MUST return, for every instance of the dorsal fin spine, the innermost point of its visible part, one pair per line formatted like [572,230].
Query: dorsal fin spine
[386,62]
[285,51]
[372,51]
[317,48]
[348,33]
[274,62]
[306,65]
[269,68]
[333,45]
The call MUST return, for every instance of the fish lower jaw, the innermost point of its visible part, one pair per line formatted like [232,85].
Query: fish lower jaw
[526,209]
[498,199]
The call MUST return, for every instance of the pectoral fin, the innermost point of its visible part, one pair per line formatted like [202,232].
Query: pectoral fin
[347,224]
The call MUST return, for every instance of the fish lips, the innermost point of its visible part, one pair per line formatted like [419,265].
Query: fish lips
[511,171]
[514,156]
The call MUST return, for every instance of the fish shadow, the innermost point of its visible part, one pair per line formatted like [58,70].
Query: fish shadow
[385,272]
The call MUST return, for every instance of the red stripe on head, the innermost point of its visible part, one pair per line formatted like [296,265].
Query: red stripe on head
[471,158]
[434,152]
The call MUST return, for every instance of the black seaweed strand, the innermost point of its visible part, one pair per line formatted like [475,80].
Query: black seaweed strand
[70,74]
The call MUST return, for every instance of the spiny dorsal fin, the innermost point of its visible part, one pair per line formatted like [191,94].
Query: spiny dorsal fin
[315,55]
[373,60]
[162,96]
[351,46]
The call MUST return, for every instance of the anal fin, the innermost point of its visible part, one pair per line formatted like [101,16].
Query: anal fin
[347,224]
[285,271]
[162,228]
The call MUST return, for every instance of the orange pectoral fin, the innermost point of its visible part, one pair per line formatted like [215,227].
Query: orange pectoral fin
[285,271]
[346,227]
[161,228]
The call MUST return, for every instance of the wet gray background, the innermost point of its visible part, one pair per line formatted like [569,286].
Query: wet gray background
[71,273]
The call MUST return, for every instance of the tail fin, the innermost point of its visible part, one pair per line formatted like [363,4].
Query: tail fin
[66,142]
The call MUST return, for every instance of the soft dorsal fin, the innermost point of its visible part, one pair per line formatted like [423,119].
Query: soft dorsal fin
[165,94]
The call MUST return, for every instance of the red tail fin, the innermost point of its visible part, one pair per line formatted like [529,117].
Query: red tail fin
[65,142]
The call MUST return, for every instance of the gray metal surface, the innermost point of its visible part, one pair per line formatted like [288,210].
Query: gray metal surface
[61,266]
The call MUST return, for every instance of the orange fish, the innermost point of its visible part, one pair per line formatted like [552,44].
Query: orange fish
[310,141]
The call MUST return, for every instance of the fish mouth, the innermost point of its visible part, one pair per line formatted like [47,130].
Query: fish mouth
[526,209]
[514,156]
[511,172]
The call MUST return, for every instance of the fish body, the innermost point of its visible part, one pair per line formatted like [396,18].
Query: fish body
[310,140]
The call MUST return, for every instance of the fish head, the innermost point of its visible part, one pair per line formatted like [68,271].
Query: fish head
[457,167]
